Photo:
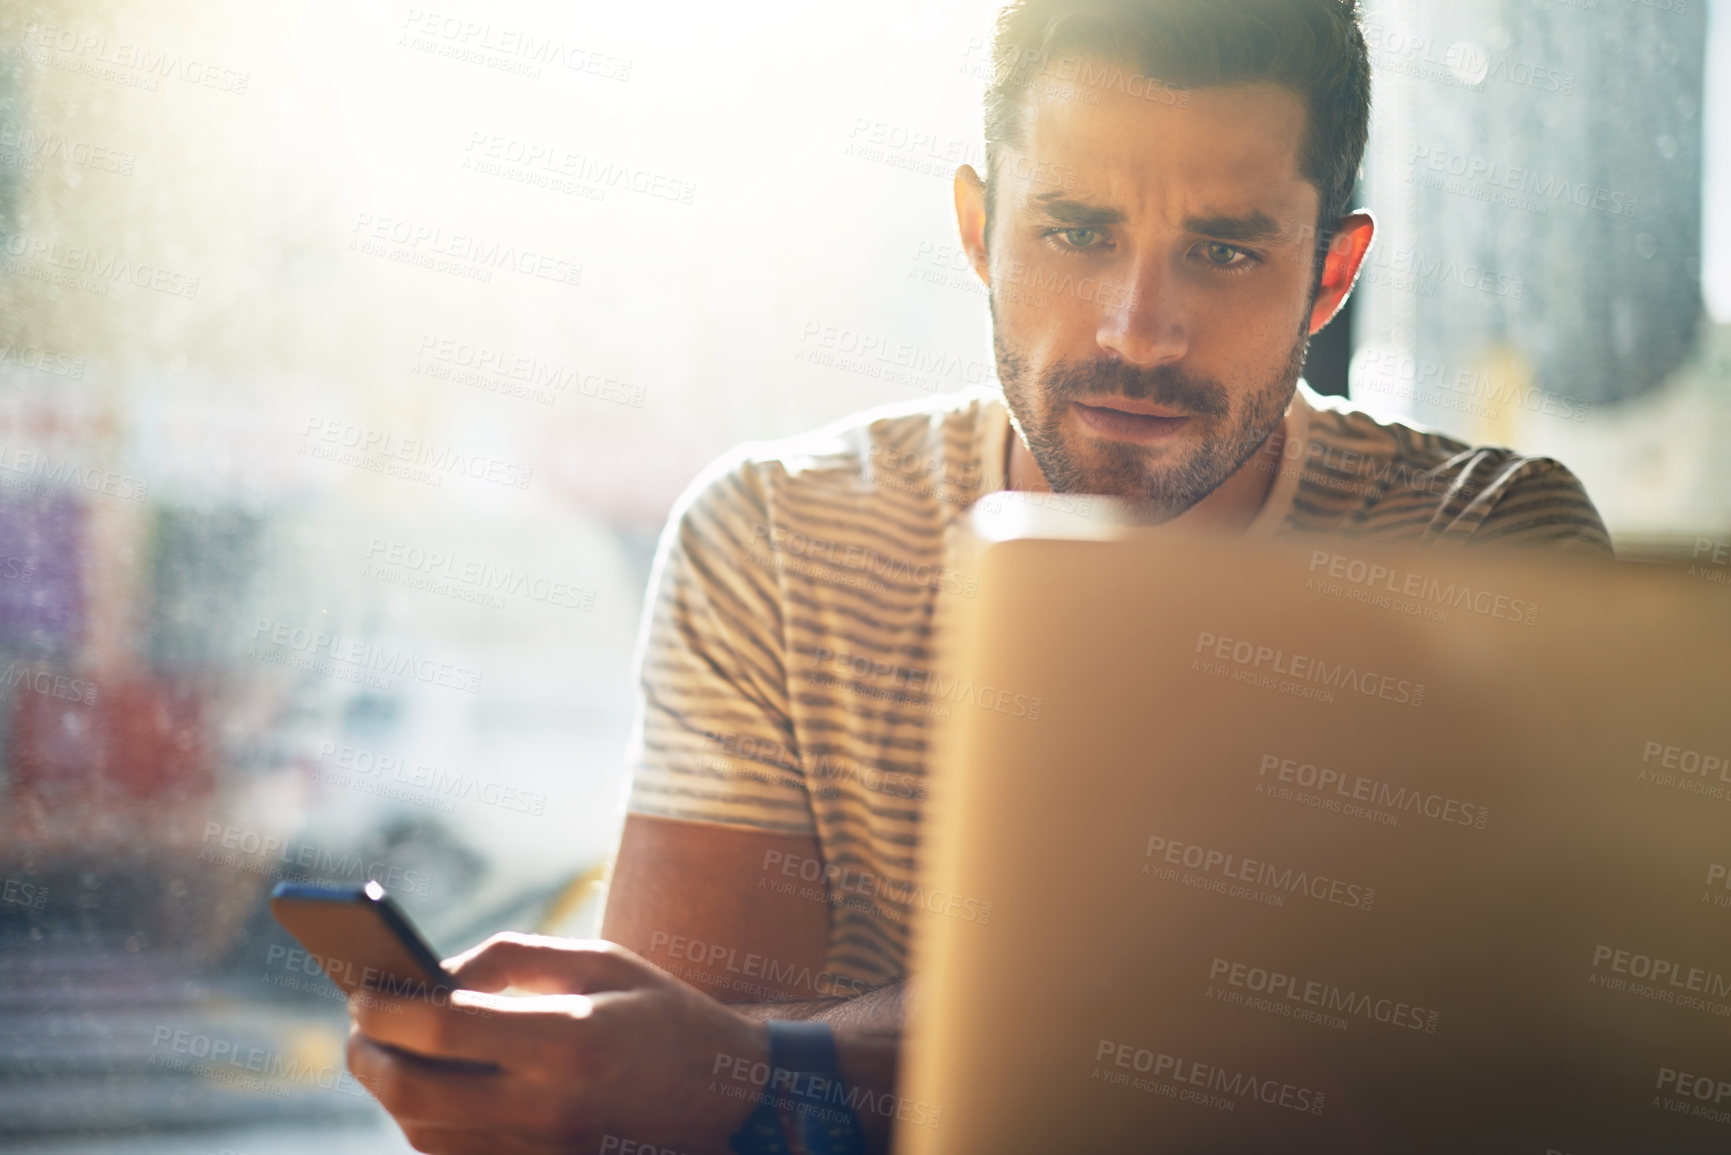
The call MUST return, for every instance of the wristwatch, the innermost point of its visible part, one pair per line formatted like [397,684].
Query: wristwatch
[804,1108]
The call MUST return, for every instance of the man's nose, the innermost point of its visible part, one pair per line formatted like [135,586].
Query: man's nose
[1142,319]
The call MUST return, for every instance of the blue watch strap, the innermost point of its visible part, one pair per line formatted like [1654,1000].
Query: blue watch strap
[804,1110]
[802,1046]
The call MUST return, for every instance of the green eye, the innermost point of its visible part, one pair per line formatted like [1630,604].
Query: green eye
[1081,238]
[1221,254]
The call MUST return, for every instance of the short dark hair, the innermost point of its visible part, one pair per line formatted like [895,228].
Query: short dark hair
[1315,48]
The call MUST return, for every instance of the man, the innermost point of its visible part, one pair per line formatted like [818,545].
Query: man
[1163,225]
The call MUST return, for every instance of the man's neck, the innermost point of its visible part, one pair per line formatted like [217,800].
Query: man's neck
[1231,507]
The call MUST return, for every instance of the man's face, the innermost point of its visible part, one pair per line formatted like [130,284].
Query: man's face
[1151,263]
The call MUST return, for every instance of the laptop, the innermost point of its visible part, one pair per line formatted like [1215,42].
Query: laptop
[1322,847]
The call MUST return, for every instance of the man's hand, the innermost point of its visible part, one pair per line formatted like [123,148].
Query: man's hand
[605,1045]
[677,881]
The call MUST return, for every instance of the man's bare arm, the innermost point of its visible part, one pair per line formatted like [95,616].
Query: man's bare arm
[684,888]
[699,900]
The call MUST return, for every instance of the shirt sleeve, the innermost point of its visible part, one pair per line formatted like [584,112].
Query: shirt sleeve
[713,740]
[1540,504]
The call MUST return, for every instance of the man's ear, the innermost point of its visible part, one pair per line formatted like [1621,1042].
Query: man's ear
[1346,253]
[971,219]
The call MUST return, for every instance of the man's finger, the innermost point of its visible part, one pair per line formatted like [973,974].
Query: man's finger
[548,965]
[419,1092]
[467,1025]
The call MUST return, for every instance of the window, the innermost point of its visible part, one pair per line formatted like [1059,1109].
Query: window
[352,357]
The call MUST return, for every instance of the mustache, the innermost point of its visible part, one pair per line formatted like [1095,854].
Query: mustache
[1163,385]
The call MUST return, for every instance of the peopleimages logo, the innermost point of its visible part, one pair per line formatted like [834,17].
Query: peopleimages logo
[1303,676]
[91,52]
[1717,879]
[513,374]
[881,355]
[1326,998]
[804,1091]
[1225,866]
[1661,980]
[1703,1087]
[24,147]
[469,579]
[755,974]
[863,561]
[841,886]
[1718,552]
[24,893]
[1691,771]
[1406,592]
[378,773]
[103,267]
[1495,174]
[466,254]
[1231,1088]
[253,1069]
[330,438]
[825,769]
[1710,560]
[916,688]
[1460,64]
[46,683]
[1395,371]
[38,473]
[42,360]
[1411,269]
[269,854]
[618,1145]
[505,47]
[550,165]
[1336,786]
[272,641]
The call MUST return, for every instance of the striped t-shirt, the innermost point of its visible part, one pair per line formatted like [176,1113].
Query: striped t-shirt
[786,651]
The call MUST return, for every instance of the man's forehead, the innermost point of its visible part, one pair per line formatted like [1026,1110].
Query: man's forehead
[1228,151]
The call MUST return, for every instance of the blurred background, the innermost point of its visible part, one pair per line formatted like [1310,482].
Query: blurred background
[352,355]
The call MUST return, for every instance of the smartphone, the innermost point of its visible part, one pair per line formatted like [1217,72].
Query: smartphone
[360,939]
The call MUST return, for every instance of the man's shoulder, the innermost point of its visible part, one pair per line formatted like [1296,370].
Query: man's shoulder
[1365,473]
[1348,443]
[927,450]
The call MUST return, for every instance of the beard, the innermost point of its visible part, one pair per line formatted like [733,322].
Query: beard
[1162,481]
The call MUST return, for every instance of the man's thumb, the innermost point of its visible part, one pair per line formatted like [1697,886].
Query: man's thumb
[546,965]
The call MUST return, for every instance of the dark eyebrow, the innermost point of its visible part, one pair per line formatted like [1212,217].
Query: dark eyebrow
[1257,226]
[1077,213]
[1252,228]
